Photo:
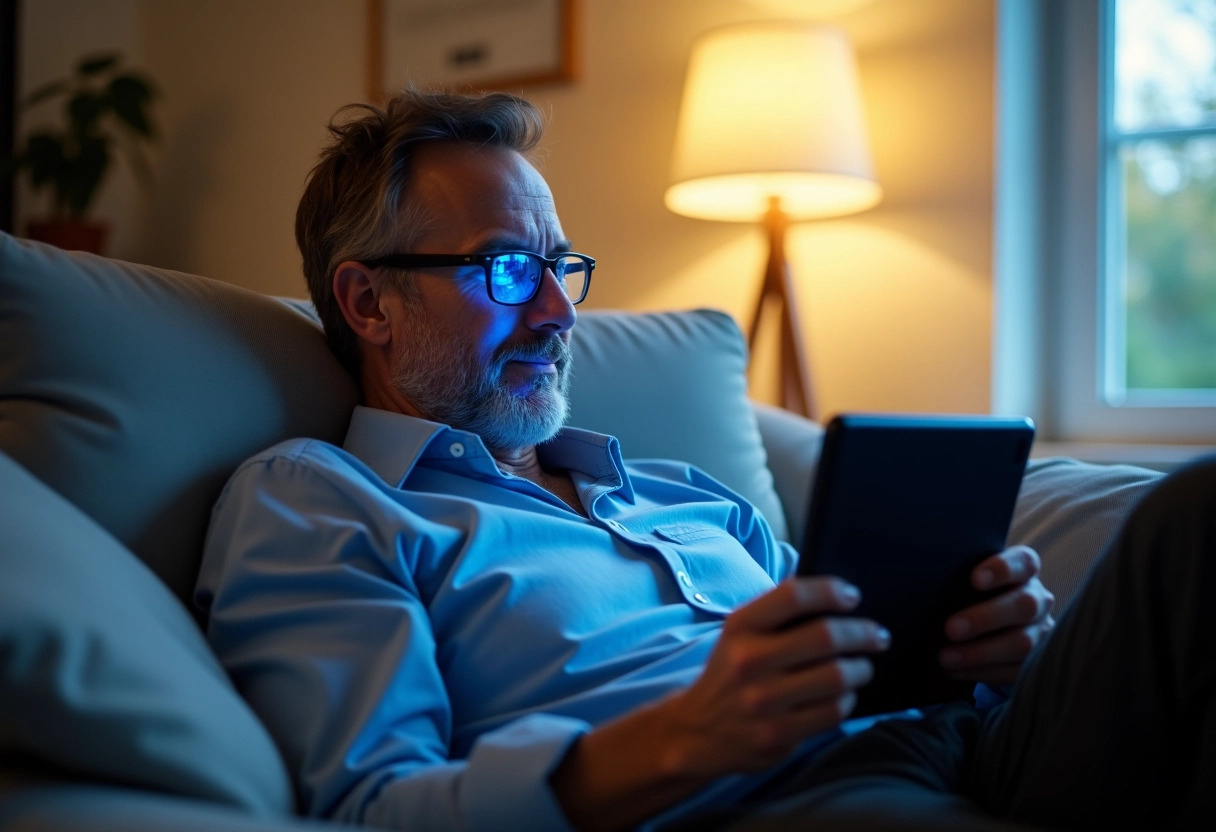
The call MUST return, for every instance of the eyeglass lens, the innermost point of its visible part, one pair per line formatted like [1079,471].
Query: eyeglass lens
[515,277]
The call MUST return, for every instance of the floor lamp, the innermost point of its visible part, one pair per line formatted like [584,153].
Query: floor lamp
[771,128]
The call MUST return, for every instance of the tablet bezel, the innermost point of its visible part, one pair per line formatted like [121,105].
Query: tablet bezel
[904,507]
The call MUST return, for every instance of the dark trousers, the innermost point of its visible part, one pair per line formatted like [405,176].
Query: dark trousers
[1112,724]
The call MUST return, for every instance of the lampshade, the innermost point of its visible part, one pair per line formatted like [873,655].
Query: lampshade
[771,109]
[811,9]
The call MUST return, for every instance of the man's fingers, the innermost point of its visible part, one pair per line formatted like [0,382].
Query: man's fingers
[1016,565]
[823,715]
[828,680]
[830,636]
[807,687]
[793,600]
[1007,647]
[1027,604]
[810,641]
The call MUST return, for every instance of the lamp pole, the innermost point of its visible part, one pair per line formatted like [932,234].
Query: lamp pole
[793,371]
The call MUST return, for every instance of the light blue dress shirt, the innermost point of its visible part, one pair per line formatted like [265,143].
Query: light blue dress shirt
[425,635]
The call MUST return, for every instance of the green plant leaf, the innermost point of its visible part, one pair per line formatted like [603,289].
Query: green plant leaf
[44,156]
[94,64]
[82,176]
[130,96]
[49,90]
[84,108]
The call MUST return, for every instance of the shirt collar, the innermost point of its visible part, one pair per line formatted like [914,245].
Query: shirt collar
[391,444]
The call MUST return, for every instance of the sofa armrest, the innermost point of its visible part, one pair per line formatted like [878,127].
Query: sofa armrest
[792,445]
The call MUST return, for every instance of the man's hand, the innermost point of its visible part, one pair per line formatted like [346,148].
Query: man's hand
[993,638]
[784,668]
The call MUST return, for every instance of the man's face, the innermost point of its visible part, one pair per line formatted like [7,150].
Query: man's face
[460,358]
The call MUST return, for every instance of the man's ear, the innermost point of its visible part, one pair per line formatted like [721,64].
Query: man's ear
[357,290]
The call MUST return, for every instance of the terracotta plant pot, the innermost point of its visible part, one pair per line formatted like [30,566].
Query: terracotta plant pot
[72,235]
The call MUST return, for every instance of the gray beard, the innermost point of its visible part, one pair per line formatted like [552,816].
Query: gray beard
[447,385]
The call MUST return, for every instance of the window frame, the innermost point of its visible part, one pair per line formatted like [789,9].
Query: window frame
[1055,151]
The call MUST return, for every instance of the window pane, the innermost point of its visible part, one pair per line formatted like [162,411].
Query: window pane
[1169,260]
[1165,63]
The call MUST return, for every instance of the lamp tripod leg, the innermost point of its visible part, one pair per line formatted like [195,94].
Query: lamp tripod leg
[793,377]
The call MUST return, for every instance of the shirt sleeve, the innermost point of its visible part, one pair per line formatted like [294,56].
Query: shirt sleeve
[313,611]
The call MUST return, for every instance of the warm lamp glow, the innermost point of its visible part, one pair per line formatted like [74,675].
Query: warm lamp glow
[744,196]
[817,9]
[771,128]
[771,109]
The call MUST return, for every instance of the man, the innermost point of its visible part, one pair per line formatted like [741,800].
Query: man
[470,617]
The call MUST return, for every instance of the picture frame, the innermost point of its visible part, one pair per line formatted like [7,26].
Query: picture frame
[469,44]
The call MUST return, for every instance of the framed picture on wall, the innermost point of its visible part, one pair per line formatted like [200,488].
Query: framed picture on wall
[469,44]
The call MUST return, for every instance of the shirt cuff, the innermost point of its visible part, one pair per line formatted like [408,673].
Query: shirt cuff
[988,696]
[507,774]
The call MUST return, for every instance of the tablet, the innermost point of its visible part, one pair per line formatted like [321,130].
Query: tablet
[903,507]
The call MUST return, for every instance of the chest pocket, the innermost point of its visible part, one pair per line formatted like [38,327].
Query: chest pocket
[712,564]
[685,533]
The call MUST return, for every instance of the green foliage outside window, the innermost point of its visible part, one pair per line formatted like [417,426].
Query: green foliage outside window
[1171,271]
[1164,225]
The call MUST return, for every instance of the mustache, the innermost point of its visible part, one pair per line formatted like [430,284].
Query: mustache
[552,349]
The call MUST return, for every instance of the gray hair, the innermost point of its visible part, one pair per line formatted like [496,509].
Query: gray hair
[356,202]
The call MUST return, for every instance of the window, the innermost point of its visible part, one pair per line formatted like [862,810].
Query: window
[1106,218]
[1160,211]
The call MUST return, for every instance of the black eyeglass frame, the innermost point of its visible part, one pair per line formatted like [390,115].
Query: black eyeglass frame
[423,261]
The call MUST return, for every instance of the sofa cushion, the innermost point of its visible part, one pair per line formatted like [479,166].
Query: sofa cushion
[1068,511]
[674,385]
[104,674]
[792,444]
[135,392]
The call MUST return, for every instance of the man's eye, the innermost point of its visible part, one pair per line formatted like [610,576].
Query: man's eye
[503,276]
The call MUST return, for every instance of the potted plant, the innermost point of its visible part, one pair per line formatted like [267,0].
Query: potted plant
[106,108]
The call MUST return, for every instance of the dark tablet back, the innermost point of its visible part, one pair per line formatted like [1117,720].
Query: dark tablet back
[903,507]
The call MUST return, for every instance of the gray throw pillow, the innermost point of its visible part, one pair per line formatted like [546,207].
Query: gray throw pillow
[103,673]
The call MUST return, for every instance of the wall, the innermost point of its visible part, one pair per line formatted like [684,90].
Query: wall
[253,85]
[896,301]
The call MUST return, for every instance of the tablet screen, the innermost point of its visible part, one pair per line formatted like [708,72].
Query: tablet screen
[904,507]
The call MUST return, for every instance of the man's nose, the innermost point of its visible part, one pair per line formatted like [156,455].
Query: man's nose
[551,309]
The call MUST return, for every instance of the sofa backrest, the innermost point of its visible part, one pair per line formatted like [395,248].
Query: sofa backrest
[135,392]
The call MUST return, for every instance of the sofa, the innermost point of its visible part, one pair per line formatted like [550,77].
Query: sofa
[128,394]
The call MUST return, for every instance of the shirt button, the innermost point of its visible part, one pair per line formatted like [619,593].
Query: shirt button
[456,449]
[684,579]
[701,598]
